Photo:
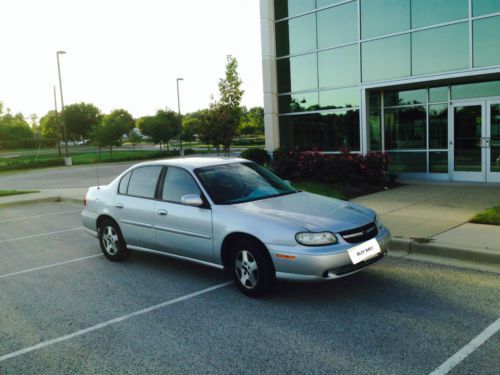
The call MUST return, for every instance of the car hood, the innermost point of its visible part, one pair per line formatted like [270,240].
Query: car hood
[312,212]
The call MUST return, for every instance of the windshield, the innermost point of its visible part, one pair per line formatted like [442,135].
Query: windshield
[241,182]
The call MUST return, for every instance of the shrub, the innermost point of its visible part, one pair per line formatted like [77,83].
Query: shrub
[257,155]
[330,168]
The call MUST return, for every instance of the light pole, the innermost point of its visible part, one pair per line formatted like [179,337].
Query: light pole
[179,111]
[62,105]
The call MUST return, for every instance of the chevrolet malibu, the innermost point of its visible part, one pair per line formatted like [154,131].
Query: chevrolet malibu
[235,215]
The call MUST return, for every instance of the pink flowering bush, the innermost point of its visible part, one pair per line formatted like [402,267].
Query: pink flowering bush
[330,168]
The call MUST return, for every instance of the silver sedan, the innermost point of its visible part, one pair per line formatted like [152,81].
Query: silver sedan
[235,215]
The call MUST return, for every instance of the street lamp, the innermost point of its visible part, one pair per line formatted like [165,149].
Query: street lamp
[62,106]
[179,111]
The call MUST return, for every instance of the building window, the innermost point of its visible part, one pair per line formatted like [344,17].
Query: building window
[433,12]
[338,25]
[482,7]
[297,35]
[381,17]
[409,97]
[486,43]
[441,49]
[339,66]
[475,90]
[438,94]
[386,58]
[339,98]
[331,131]
[299,73]
[405,128]
[407,162]
[438,162]
[438,126]
[303,102]
[289,8]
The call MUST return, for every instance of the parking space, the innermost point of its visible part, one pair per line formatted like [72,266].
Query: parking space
[66,309]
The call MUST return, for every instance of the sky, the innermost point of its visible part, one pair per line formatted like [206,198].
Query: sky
[126,54]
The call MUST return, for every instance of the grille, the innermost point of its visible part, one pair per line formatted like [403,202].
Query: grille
[361,234]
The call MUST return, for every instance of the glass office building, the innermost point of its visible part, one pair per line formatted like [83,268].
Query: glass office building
[418,79]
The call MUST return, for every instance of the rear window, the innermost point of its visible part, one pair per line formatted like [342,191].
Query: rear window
[143,181]
[122,189]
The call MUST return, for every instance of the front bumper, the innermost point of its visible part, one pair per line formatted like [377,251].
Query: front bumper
[321,263]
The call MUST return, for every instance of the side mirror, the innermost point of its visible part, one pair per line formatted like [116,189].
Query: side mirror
[288,182]
[193,200]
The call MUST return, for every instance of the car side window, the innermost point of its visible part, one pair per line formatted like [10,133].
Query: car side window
[178,182]
[143,181]
[122,189]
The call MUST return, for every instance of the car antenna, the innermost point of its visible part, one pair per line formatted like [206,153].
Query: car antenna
[97,175]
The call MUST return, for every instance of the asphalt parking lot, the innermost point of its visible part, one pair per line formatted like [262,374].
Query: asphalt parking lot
[65,309]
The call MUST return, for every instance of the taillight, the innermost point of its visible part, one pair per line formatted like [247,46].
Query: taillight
[84,200]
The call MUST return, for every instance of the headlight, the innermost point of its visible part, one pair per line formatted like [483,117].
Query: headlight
[378,222]
[315,239]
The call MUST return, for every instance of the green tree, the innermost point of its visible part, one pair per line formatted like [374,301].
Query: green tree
[51,128]
[190,126]
[81,118]
[110,131]
[252,122]
[135,137]
[228,110]
[161,127]
[14,131]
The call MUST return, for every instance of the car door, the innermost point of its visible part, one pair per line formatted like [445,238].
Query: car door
[134,205]
[180,229]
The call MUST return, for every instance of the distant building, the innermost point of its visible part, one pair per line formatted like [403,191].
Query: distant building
[417,79]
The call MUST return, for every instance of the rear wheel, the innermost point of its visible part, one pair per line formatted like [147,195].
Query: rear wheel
[253,271]
[111,240]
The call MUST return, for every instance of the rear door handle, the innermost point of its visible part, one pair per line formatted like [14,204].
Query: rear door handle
[119,205]
[162,212]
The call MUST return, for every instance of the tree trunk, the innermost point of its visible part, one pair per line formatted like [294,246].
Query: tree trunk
[110,152]
[160,147]
[59,148]
[168,146]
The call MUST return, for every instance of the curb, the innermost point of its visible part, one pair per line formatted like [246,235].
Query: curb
[476,255]
[49,199]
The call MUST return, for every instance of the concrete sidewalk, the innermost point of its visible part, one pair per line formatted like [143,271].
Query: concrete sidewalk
[432,220]
[74,195]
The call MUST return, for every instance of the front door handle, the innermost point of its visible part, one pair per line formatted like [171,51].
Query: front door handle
[119,205]
[162,212]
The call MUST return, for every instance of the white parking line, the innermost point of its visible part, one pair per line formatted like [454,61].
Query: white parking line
[38,216]
[49,266]
[110,322]
[41,234]
[467,349]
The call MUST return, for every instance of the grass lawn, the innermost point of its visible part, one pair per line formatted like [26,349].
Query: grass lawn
[50,160]
[5,193]
[490,216]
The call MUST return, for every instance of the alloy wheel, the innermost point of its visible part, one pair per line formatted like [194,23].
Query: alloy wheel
[110,240]
[246,269]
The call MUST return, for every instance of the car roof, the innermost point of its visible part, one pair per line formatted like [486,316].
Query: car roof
[194,162]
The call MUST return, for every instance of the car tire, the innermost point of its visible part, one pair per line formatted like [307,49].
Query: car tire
[113,245]
[252,268]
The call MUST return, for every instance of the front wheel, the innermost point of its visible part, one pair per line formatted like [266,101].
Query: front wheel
[111,240]
[253,270]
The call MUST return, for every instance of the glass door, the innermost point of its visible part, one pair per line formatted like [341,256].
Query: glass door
[469,140]
[493,142]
